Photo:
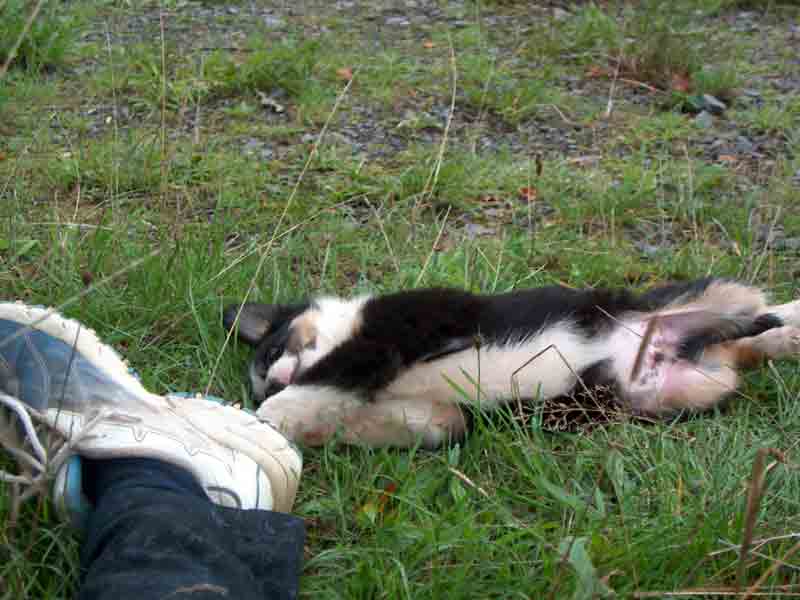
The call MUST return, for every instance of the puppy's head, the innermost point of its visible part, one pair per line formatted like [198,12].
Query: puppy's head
[290,339]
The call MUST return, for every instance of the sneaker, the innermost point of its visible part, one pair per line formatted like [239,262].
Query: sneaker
[68,394]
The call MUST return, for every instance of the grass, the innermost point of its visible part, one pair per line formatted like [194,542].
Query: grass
[45,43]
[544,173]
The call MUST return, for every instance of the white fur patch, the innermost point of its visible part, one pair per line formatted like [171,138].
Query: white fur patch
[563,352]
[336,319]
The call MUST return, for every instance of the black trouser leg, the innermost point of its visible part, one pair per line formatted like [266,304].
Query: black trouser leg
[155,534]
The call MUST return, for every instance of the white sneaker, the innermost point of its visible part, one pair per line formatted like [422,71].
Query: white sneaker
[56,376]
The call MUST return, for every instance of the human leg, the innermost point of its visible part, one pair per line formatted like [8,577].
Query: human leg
[154,533]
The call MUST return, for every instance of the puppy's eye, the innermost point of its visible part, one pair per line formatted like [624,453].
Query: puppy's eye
[274,354]
[259,369]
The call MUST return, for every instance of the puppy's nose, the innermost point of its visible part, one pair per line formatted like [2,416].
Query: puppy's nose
[283,371]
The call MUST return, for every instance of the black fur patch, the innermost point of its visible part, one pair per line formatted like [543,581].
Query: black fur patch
[397,331]
[662,295]
[597,375]
[404,328]
[270,316]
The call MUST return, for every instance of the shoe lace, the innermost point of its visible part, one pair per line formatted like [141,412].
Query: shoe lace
[37,463]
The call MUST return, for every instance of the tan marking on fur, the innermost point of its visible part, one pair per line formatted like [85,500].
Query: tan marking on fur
[306,327]
[303,332]
[358,323]
[750,352]
[715,376]
[742,354]
[725,297]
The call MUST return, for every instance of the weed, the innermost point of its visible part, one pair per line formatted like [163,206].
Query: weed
[489,85]
[781,116]
[47,43]
[379,75]
[667,53]
[722,82]
[129,165]
[656,44]
[284,68]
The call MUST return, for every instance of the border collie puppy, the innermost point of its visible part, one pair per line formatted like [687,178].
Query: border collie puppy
[390,369]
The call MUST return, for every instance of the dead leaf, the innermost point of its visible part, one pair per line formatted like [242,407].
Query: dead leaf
[386,496]
[528,194]
[428,44]
[584,160]
[681,83]
[728,158]
[2,155]
[345,73]
[596,71]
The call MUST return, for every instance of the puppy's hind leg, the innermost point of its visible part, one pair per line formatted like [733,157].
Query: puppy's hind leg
[700,385]
[687,360]
[703,385]
[774,344]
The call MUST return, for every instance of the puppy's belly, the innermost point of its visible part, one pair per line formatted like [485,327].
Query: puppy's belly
[545,365]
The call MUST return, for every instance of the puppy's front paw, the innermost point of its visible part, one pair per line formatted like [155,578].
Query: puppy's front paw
[278,419]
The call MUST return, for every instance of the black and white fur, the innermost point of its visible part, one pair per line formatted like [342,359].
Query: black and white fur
[390,369]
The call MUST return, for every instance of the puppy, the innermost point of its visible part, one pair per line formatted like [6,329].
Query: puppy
[394,369]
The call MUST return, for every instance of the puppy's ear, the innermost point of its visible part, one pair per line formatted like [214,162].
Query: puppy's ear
[254,320]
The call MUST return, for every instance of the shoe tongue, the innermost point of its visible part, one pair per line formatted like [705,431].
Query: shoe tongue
[45,372]
[19,360]
[26,371]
